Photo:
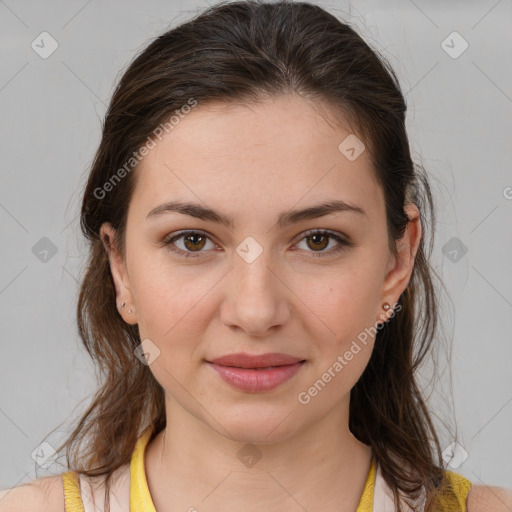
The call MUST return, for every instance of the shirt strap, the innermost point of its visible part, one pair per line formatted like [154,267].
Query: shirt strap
[72,498]
[366,503]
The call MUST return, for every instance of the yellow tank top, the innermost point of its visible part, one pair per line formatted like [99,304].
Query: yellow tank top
[140,498]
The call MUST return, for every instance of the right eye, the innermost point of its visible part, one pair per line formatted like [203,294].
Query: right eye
[191,239]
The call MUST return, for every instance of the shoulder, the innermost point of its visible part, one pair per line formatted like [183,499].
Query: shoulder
[485,498]
[44,494]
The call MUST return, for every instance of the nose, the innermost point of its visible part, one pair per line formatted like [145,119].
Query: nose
[256,298]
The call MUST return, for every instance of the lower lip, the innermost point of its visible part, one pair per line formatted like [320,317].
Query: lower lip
[252,380]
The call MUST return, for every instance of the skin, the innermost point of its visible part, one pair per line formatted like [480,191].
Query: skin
[253,163]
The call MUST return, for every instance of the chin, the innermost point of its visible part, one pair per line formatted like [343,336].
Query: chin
[256,427]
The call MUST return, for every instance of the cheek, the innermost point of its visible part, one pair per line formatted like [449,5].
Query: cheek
[345,301]
[172,316]
[346,305]
[173,310]
[342,357]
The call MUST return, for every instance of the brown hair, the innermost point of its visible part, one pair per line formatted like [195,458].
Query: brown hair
[244,51]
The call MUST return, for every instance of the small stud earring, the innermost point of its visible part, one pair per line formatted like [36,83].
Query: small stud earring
[386,306]
[122,305]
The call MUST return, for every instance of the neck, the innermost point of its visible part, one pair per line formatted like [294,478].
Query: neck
[321,467]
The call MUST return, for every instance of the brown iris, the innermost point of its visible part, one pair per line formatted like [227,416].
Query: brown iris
[201,238]
[317,237]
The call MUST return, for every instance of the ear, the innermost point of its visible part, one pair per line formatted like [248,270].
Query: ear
[400,267]
[119,274]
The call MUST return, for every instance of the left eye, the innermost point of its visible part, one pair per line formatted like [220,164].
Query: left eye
[194,242]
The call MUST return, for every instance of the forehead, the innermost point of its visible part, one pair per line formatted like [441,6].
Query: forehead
[254,159]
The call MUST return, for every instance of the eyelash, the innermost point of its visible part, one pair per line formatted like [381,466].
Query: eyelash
[343,244]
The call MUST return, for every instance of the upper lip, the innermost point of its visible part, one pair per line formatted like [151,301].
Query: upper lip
[243,360]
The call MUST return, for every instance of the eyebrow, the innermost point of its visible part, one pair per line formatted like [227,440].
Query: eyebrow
[202,212]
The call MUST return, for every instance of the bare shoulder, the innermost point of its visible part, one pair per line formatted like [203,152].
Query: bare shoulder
[41,495]
[485,498]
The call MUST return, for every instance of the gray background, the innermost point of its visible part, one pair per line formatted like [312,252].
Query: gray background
[459,122]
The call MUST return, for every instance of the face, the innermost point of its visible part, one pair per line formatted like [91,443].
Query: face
[307,286]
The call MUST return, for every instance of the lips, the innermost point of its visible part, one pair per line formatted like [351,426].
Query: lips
[243,360]
[256,373]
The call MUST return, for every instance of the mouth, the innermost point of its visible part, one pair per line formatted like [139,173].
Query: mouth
[256,379]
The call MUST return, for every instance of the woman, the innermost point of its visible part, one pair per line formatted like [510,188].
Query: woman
[258,295]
